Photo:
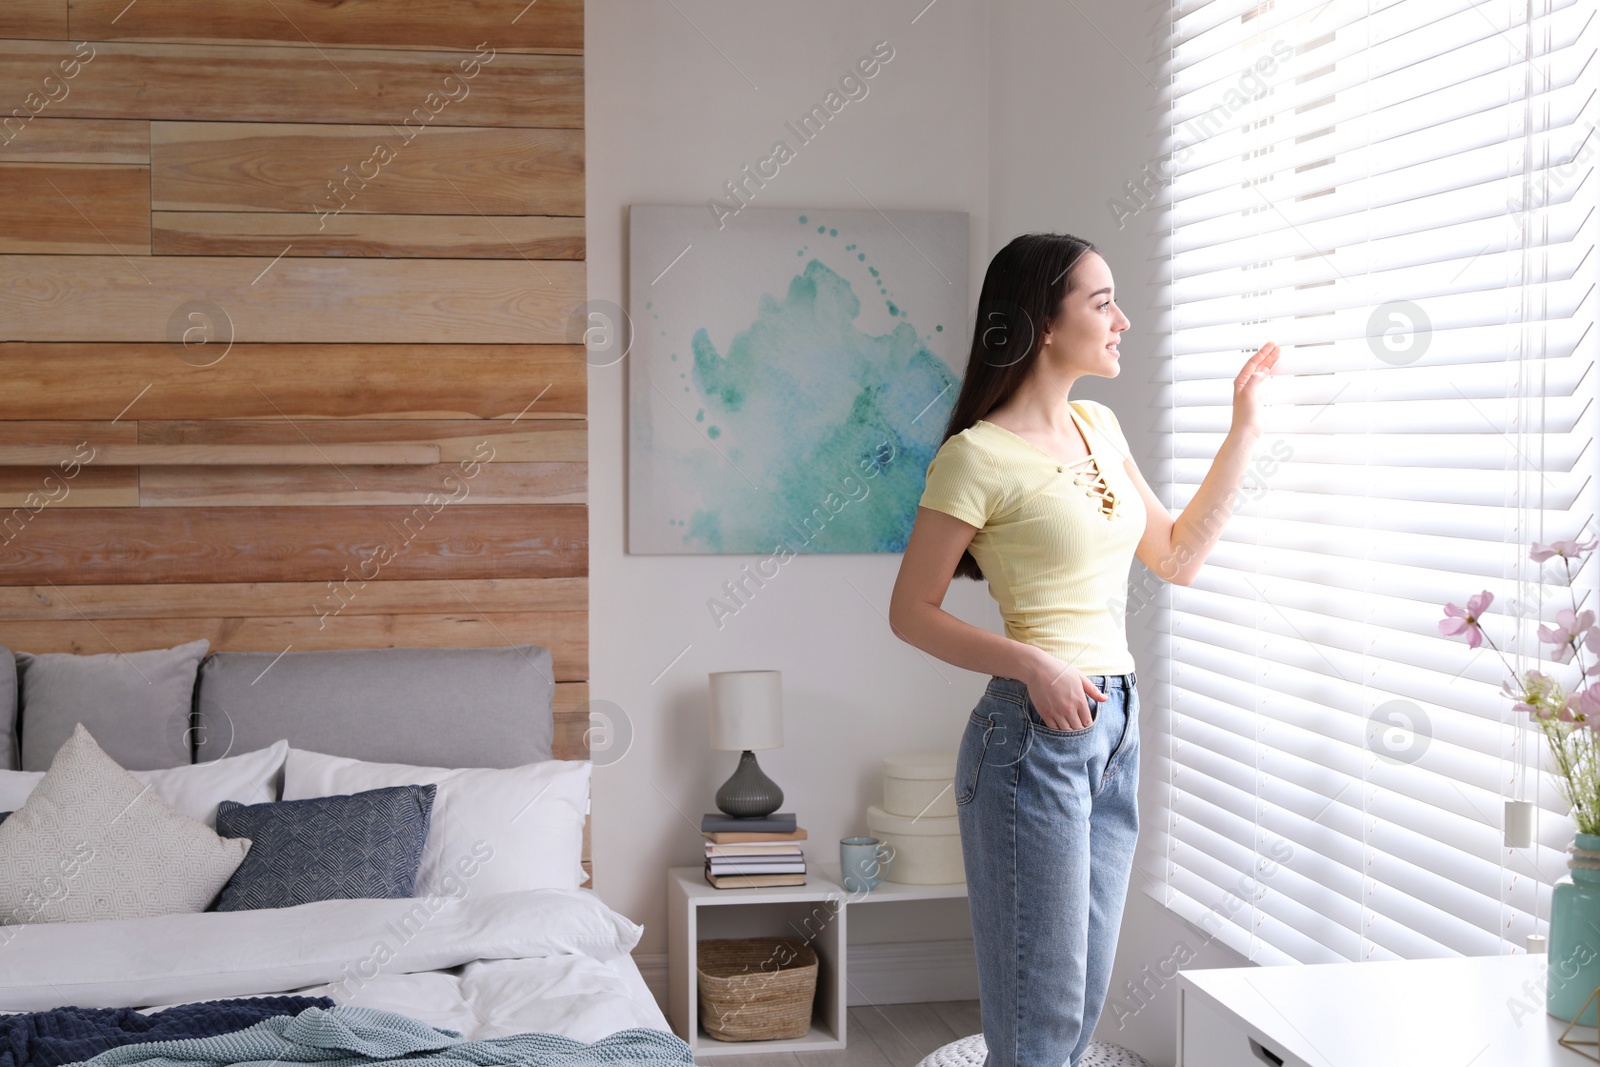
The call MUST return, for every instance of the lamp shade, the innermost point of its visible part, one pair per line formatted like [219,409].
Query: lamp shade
[746,710]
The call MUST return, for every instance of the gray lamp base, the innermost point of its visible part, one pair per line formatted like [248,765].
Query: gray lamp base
[749,793]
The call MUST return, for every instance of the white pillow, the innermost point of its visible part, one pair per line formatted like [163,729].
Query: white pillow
[15,786]
[522,825]
[194,789]
[93,842]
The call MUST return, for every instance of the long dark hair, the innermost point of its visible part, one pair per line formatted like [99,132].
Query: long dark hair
[1022,294]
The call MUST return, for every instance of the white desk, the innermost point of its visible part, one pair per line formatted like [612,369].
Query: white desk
[1482,1011]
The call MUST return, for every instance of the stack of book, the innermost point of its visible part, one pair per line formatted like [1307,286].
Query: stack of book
[752,852]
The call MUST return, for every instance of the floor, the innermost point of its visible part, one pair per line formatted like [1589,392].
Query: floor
[892,1035]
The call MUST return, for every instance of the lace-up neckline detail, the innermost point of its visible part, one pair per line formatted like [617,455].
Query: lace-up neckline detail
[1086,472]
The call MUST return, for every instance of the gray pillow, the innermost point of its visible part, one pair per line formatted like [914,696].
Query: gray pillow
[432,707]
[357,847]
[8,710]
[137,705]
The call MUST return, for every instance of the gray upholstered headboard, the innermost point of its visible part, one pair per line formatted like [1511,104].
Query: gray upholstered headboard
[8,709]
[434,707]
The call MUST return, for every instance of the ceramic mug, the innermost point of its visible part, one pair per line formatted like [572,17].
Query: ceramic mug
[862,862]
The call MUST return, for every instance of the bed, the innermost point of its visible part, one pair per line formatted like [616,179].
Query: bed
[485,959]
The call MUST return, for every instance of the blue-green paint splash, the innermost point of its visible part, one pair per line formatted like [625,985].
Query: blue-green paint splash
[808,406]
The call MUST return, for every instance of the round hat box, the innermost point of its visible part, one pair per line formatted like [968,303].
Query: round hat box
[920,783]
[927,851]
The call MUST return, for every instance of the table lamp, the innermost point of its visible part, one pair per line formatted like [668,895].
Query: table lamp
[747,714]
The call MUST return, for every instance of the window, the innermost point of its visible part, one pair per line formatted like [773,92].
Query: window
[1403,196]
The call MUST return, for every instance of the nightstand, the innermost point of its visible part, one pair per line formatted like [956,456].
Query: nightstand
[816,912]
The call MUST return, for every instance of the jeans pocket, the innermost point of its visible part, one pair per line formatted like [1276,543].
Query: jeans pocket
[970,756]
[1084,731]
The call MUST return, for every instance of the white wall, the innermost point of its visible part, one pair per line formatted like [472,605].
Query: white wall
[1019,112]
[670,117]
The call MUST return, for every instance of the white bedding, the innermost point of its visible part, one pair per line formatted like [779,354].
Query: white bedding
[487,965]
[575,996]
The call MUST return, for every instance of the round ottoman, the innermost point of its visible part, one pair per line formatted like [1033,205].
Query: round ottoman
[970,1052]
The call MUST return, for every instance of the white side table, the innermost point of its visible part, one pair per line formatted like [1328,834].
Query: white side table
[1486,1011]
[816,912]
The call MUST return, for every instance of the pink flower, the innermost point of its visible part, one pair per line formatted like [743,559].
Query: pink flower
[1539,695]
[1457,621]
[1592,642]
[1584,706]
[1566,632]
[1564,549]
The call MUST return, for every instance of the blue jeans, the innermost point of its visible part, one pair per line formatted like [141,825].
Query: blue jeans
[1048,823]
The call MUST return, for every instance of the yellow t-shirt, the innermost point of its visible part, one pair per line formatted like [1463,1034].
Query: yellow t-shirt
[1054,542]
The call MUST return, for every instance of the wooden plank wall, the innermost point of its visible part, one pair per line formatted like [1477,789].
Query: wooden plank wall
[289,222]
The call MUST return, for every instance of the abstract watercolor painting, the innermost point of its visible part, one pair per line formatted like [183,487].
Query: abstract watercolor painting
[790,376]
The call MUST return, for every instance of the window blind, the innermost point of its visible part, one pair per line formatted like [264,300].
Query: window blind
[1403,197]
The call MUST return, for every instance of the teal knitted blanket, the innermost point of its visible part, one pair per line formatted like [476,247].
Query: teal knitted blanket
[347,1036]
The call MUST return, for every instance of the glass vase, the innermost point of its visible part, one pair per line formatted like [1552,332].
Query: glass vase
[1572,971]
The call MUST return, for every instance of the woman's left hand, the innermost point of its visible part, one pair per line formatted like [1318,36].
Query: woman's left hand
[1246,406]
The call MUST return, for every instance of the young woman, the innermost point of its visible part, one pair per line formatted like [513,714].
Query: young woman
[1039,495]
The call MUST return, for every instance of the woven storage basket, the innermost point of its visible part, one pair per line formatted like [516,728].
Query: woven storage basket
[756,988]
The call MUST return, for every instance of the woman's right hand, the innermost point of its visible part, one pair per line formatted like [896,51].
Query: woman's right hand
[1061,693]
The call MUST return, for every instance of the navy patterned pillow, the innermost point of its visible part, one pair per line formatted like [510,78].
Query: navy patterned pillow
[365,845]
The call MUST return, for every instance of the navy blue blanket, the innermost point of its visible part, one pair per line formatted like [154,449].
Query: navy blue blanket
[68,1035]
